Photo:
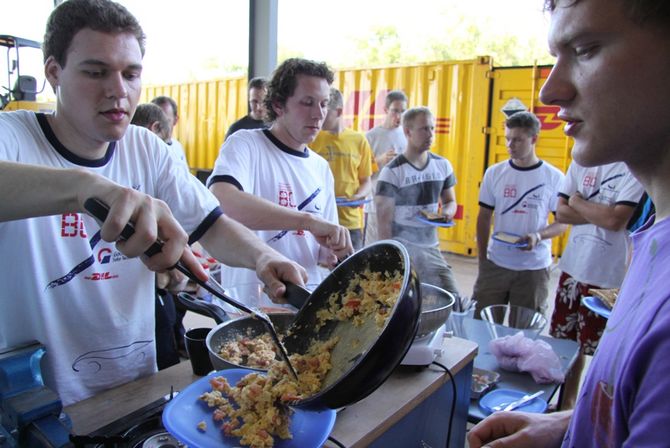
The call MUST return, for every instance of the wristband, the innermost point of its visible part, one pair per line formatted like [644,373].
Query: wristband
[539,236]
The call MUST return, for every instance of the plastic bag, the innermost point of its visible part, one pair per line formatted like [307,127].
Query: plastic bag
[518,353]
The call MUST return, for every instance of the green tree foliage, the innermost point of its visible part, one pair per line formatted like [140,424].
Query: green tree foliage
[462,37]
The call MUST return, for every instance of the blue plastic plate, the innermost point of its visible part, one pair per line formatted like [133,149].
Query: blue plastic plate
[344,202]
[498,396]
[435,223]
[496,237]
[183,413]
[597,306]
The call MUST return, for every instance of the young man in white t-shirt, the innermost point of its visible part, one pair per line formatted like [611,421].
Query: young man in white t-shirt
[65,281]
[270,181]
[387,141]
[518,194]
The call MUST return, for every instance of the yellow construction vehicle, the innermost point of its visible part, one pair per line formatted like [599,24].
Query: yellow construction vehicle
[21,91]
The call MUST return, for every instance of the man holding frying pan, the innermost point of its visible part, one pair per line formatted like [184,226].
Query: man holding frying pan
[66,283]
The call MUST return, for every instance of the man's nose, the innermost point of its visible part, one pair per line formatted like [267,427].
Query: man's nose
[116,86]
[558,87]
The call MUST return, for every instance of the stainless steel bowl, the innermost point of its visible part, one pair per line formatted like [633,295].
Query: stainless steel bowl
[436,304]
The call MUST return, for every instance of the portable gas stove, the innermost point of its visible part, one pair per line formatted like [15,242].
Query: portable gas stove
[142,428]
[423,351]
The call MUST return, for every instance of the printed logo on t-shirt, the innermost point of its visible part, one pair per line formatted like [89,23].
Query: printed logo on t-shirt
[589,180]
[95,276]
[72,226]
[286,198]
[509,191]
[107,255]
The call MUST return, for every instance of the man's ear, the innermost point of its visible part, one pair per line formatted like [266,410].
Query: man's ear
[277,108]
[52,71]
[155,127]
[340,111]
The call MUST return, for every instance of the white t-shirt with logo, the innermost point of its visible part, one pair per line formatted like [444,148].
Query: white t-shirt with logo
[63,286]
[259,164]
[595,255]
[521,199]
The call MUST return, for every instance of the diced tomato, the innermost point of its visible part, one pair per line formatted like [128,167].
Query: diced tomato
[218,383]
[289,397]
[353,303]
[227,428]
[218,415]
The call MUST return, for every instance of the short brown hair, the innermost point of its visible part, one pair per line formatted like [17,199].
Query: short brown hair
[524,120]
[410,115]
[149,113]
[639,11]
[285,80]
[72,16]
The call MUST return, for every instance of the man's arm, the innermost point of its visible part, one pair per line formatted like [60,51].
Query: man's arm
[449,205]
[385,206]
[384,158]
[520,430]
[566,214]
[260,214]
[552,230]
[610,217]
[43,191]
[364,188]
[233,244]
[483,231]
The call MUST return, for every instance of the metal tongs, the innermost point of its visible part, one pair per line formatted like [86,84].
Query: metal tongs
[99,210]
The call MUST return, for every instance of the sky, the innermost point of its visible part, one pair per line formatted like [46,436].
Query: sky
[207,39]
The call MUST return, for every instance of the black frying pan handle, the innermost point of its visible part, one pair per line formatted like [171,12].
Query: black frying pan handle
[296,295]
[202,307]
[100,210]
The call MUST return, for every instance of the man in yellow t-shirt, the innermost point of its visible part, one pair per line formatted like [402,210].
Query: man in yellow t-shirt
[350,158]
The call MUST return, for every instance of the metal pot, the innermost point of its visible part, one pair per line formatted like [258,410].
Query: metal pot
[436,304]
[245,326]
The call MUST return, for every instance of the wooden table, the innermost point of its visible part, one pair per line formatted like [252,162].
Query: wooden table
[412,407]
[482,333]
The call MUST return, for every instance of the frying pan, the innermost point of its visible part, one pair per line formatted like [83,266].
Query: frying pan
[228,329]
[365,356]
[244,326]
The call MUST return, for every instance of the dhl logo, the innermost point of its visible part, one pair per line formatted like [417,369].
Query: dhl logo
[548,116]
[442,125]
[373,114]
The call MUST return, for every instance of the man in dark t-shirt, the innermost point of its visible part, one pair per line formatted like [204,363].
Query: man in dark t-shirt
[254,120]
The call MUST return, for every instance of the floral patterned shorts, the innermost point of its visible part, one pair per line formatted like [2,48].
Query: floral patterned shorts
[571,319]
